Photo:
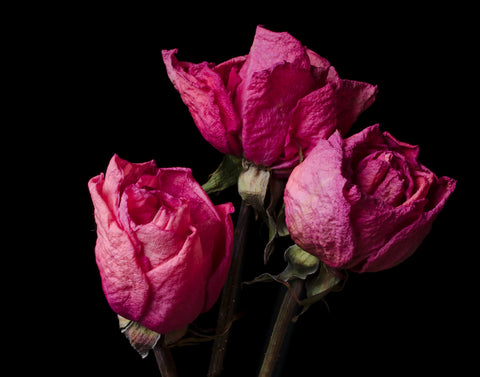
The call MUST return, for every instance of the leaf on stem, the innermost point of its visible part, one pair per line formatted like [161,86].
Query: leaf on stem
[319,279]
[225,176]
[275,221]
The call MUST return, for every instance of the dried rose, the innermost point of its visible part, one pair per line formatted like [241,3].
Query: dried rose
[272,105]
[364,203]
[163,249]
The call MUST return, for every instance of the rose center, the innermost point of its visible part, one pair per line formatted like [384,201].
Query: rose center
[142,204]
[383,175]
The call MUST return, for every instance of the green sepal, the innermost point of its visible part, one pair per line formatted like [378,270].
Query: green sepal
[317,286]
[300,265]
[319,279]
[140,338]
[225,176]
[252,186]
[143,339]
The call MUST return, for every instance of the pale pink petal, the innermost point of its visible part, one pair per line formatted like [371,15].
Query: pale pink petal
[317,214]
[124,283]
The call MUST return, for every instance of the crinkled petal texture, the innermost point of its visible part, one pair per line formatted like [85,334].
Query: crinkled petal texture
[364,203]
[268,106]
[163,249]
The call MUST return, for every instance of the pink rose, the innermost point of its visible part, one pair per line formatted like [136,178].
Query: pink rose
[364,203]
[163,249]
[270,104]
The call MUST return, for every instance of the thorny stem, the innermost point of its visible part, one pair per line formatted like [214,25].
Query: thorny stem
[284,318]
[229,294]
[164,358]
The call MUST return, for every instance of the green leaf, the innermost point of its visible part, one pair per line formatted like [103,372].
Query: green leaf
[275,222]
[225,176]
[300,265]
[317,286]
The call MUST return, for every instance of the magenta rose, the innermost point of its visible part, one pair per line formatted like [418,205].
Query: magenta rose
[163,249]
[364,203]
[270,104]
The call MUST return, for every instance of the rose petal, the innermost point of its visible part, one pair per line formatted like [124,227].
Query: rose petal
[205,95]
[351,99]
[404,243]
[267,108]
[124,283]
[221,255]
[317,214]
[178,288]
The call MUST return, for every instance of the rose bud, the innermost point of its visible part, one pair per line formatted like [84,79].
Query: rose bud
[163,249]
[272,105]
[364,203]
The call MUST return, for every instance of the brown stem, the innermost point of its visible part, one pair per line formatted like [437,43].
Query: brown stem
[164,358]
[284,318]
[229,294]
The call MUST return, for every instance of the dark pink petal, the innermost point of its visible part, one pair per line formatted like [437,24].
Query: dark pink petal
[319,67]
[142,205]
[209,102]
[269,101]
[313,119]
[404,243]
[229,72]
[120,173]
[275,75]
[204,216]
[351,99]
[375,223]
[221,256]
[178,288]
[270,49]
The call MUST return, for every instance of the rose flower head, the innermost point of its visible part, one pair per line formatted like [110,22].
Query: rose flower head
[364,203]
[163,249]
[272,105]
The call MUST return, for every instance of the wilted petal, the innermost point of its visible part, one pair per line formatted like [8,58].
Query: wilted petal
[205,95]
[317,213]
[181,281]
[221,256]
[267,110]
[123,279]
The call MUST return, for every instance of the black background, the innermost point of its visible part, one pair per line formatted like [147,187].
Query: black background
[90,82]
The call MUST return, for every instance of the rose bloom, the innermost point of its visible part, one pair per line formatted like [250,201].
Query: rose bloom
[271,105]
[163,249]
[364,203]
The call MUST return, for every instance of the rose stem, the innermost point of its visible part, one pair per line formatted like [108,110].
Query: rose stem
[284,318]
[164,358]
[229,294]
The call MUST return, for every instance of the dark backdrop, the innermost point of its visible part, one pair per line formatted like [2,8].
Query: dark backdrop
[96,85]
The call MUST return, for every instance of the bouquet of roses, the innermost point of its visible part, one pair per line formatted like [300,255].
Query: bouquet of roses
[281,115]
